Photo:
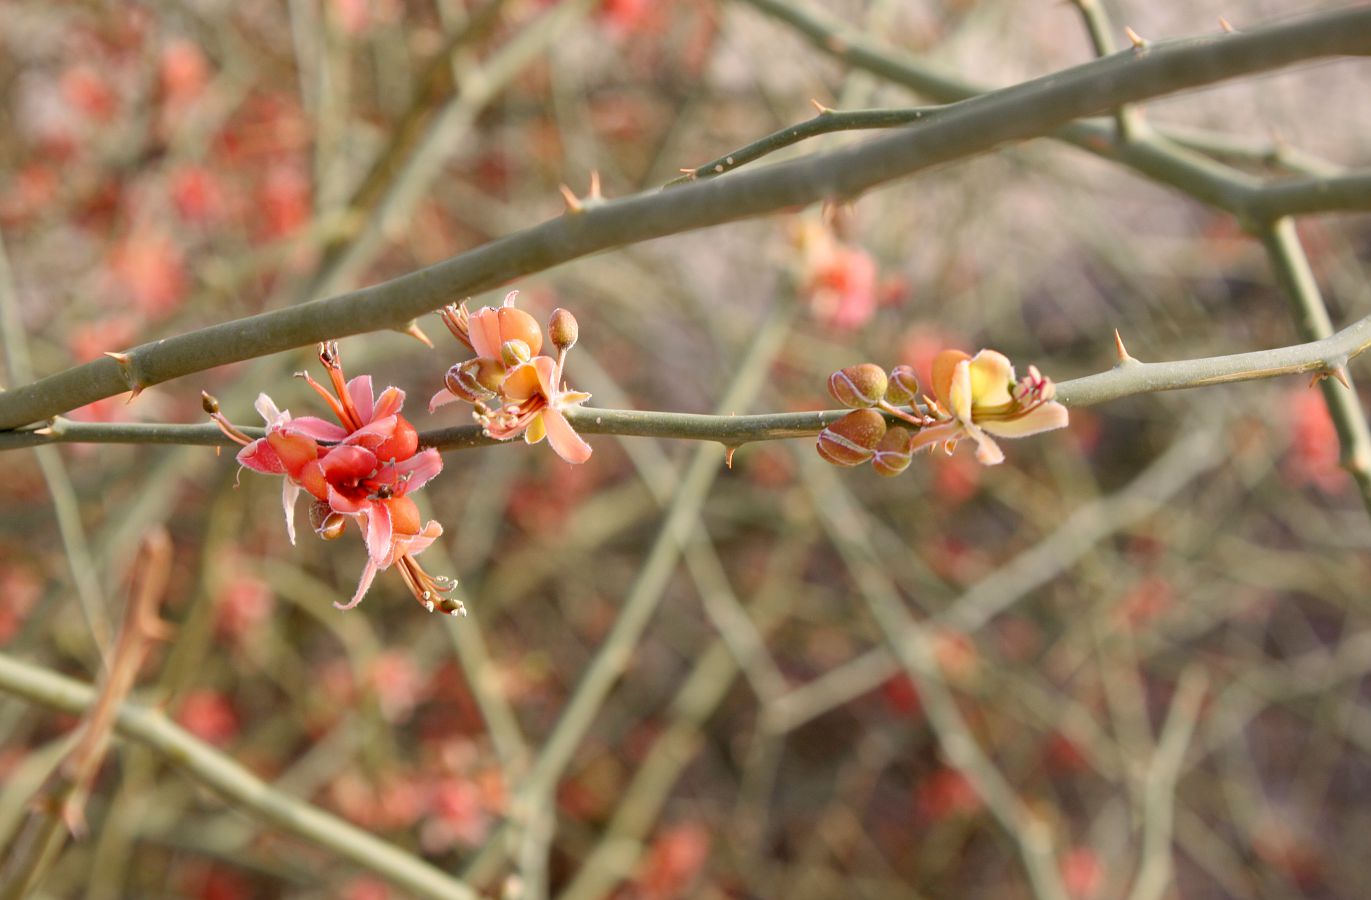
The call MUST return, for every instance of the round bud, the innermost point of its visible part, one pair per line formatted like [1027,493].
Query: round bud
[852,440]
[858,387]
[903,387]
[562,329]
[208,403]
[326,523]
[515,352]
[892,452]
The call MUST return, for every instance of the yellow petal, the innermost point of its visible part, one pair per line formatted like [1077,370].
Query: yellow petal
[1041,418]
[536,430]
[991,376]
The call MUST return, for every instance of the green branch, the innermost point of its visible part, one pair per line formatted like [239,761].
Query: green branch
[964,129]
[1129,378]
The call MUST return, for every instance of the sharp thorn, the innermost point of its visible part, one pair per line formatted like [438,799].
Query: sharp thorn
[1120,349]
[573,203]
[1341,375]
[414,331]
[1226,25]
[1139,43]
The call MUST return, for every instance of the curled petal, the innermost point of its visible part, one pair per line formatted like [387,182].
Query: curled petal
[485,332]
[368,575]
[442,398]
[289,492]
[374,433]
[363,400]
[535,431]
[569,445]
[960,398]
[988,453]
[421,541]
[260,456]
[1041,418]
[341,503]
[528,380]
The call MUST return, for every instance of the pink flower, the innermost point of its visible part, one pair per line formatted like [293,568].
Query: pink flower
[361,470]
[514,390]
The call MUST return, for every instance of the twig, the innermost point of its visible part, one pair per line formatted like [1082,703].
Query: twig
[1159,791]
[1097,23]
[827,121]
[248,792]
[1129,378]
[61,802]
[912,645]
[1017,113]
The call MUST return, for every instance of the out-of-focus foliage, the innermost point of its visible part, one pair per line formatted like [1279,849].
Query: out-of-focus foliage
[164,166]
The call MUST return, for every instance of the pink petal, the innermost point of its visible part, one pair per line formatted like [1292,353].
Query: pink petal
[347,463]
[419,469]
[988,453]
[389,403]
[368,575]
[485,332]
[375,432]
[316,428]
[1043,418]
[442,398]
[359,389]
[379,533]
[260,456]
[546,367]
[340,503]
[289,492]
[421,541]
[569,445]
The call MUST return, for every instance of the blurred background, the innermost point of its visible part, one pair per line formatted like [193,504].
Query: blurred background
[168,165]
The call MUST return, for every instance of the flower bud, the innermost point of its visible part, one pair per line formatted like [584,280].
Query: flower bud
[208,403]
[892,452]
[326,523]
[515,352]
[852,440]
[858,387]
[562,329]
[463,381]
[903,387]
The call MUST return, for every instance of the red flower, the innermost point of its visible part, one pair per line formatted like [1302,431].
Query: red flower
[363,470]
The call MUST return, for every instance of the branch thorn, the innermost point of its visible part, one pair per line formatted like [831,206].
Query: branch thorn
[1226,25]
[728,455]
[414,331]
[576,205]
[823,110]
[1139,43]
[1120,349]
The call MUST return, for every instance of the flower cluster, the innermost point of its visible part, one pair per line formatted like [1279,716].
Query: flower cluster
[514,389]
[974,397]
[361,470]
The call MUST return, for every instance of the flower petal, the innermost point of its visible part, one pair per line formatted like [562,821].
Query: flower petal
[1041,418]
[289,492]
[390,402]
[988,453]
[260,456]
[266,407]
[944,365]
[314,427]
[992,374]
[359,389]
[536,430]
[485,332]
[379,533]
[341,503]
[442,398]
[413,473]
[960,399]
[569,445]
[368,575]
[347,463]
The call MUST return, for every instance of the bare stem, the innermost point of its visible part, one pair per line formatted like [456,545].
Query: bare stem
[1038,107]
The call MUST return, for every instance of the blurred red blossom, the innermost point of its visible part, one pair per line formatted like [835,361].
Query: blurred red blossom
[149,268]
[244,602]
[945,793]
[208,715]
[673,862]
[183,71]
[1313,455]
[1082,873]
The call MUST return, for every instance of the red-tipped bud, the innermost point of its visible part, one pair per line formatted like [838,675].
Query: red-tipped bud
[892,452]
[852,440]
[515,352]
[858,387]
[326,523]
[562,329]
[903,387]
